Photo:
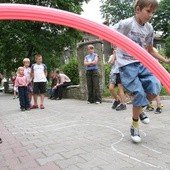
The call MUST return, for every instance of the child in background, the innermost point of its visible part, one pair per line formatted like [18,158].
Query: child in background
[119,103]
[15,88]
[158,110]
[27,73]
[39,74]
[92,75]
[135,77]
[63,81]
[21,82]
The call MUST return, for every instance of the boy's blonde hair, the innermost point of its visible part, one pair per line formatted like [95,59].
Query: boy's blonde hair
[19,68]
[26,60]
[145,3]
[37,56]
[90,46]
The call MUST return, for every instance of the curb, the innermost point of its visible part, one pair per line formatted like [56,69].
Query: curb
[109,100]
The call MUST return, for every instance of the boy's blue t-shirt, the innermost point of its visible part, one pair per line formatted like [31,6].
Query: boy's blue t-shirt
[90,58]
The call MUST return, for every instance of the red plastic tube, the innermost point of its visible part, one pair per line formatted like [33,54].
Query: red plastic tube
[55,16]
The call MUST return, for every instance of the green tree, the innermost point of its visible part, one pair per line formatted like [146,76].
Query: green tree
[115,10]
[161,19]
[19,39]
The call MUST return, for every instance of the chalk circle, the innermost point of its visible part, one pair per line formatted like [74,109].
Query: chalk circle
[79,127]
[56,16]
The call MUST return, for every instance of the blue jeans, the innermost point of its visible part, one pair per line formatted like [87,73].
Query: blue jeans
[139,81]
[23,97]
[51,92]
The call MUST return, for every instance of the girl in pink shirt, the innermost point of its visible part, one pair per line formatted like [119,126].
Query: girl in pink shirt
[21,82]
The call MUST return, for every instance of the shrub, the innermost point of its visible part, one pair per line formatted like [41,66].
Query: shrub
[71,70]
[107,74]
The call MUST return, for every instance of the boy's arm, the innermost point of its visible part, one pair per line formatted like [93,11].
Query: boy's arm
[32,73]
[155,54]
[16,82]
[95,62]
[45,72]
[112,59]
[86,63]
[92,63]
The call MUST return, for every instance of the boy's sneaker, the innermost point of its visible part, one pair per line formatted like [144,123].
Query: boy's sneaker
[34,106]
[158,110]
[22,109]
[88,102]
[135,134]
[115,104]
[144,118]
[42,106]
[98,102]
[14,97]
[121,107]
[28,109]
[149,107]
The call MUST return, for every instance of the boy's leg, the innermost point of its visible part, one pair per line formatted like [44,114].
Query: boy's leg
[42,99]
[60,91]
[112,86]
[131,81]
[114,96]
[159,105]
[111,89]
[121,93]
[15,92]
[55,96]
[35,94]
[21,98]
[27,101]
[30,92]
[89,86]
[96,86]
[43,86]
[122,106]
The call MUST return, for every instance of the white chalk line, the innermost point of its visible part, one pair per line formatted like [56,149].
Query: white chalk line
[112,145]
[153,150]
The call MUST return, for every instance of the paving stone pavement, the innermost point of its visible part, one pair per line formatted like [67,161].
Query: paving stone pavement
[72,135]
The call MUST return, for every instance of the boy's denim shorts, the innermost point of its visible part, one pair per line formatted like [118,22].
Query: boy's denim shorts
[115,79]
[139,81]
